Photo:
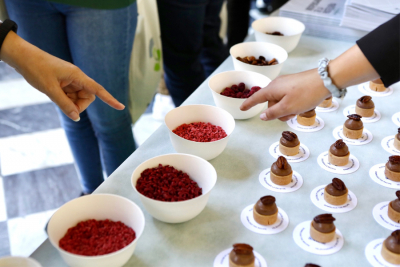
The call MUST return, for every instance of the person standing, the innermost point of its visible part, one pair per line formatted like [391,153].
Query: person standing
[192,48]
[96,36]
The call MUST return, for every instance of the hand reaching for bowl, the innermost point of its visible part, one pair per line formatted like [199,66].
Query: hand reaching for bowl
[292,94]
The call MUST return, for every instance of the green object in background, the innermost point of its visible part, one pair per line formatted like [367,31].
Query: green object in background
[97,4]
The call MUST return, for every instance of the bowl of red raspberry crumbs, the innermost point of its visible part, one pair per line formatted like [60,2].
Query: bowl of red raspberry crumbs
[98,230]
[264,58]
[285,32]
[200,130]
[231,88]
[174,188]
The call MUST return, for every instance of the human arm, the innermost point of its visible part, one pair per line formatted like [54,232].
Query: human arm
[292,94]
[64,83]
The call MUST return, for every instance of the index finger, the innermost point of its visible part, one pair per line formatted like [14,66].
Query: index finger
[260,96]
[102,93]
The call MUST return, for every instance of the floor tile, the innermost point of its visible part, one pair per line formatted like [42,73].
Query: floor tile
[18,92]
[41,190]
[3,210]
[28,119]
[27,233]
[144,127]
[34,151]
[4,241]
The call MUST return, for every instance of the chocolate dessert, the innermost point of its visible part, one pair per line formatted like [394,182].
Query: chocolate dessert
[391,248]
[392,168]
[281,172]
[307,118]
[353,127]
[311,265]
[339,153]
[365,107]
[326,103]
[394,208]
[396,141]
[289,144]
[241,256]
[265,211]
[322,228]
[377,85]
[336,192]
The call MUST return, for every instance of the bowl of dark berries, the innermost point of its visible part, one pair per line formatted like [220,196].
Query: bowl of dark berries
[174,188]
[200,130]
[98,230]
[285,32]
[264,58]
[231,88]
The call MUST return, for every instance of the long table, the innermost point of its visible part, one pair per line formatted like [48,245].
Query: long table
[197,242]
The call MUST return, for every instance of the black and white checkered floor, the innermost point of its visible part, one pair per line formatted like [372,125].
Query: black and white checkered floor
[37,173]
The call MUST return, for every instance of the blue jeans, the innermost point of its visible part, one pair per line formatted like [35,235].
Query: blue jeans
[99,42]
[192,48]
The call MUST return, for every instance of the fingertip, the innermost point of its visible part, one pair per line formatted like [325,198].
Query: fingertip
[263,117]
[74,116]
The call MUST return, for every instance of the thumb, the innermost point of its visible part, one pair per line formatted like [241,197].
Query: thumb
[276,111]
[58,96]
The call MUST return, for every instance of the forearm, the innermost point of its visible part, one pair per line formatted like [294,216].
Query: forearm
[351,68]
[20,54]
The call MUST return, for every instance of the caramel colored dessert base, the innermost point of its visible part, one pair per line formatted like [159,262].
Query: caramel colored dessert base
[365,112]
[232,264]
[336,200]
[264,219]
[393,215]
[281,180]
[321,237]
[306,121]
[389,256]
[326,103]
[391,175]
[289,151]
[352,134]
[396,143]
[377,87]
[338,161]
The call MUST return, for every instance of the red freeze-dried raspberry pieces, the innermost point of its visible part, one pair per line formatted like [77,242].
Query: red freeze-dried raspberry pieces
[239,91]
[97,237]
[168,184]
[200,132]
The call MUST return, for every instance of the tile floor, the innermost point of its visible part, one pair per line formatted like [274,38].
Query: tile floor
[37,173]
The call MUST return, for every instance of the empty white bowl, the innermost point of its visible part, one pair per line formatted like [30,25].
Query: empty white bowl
[98,207]
[256,49]
[14,261]
[290,28]
[220,81]
[199,113]
[198,169]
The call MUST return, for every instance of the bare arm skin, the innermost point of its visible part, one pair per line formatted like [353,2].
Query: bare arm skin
[64,83]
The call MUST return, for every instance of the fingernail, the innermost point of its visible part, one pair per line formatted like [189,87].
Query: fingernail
[74,114]
[263,117]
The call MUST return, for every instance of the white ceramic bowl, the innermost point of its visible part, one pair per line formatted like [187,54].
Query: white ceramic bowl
[220,81]
[256,49]
[99,207]
[15,261]
[198,169]
[290,28]
[199,113]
